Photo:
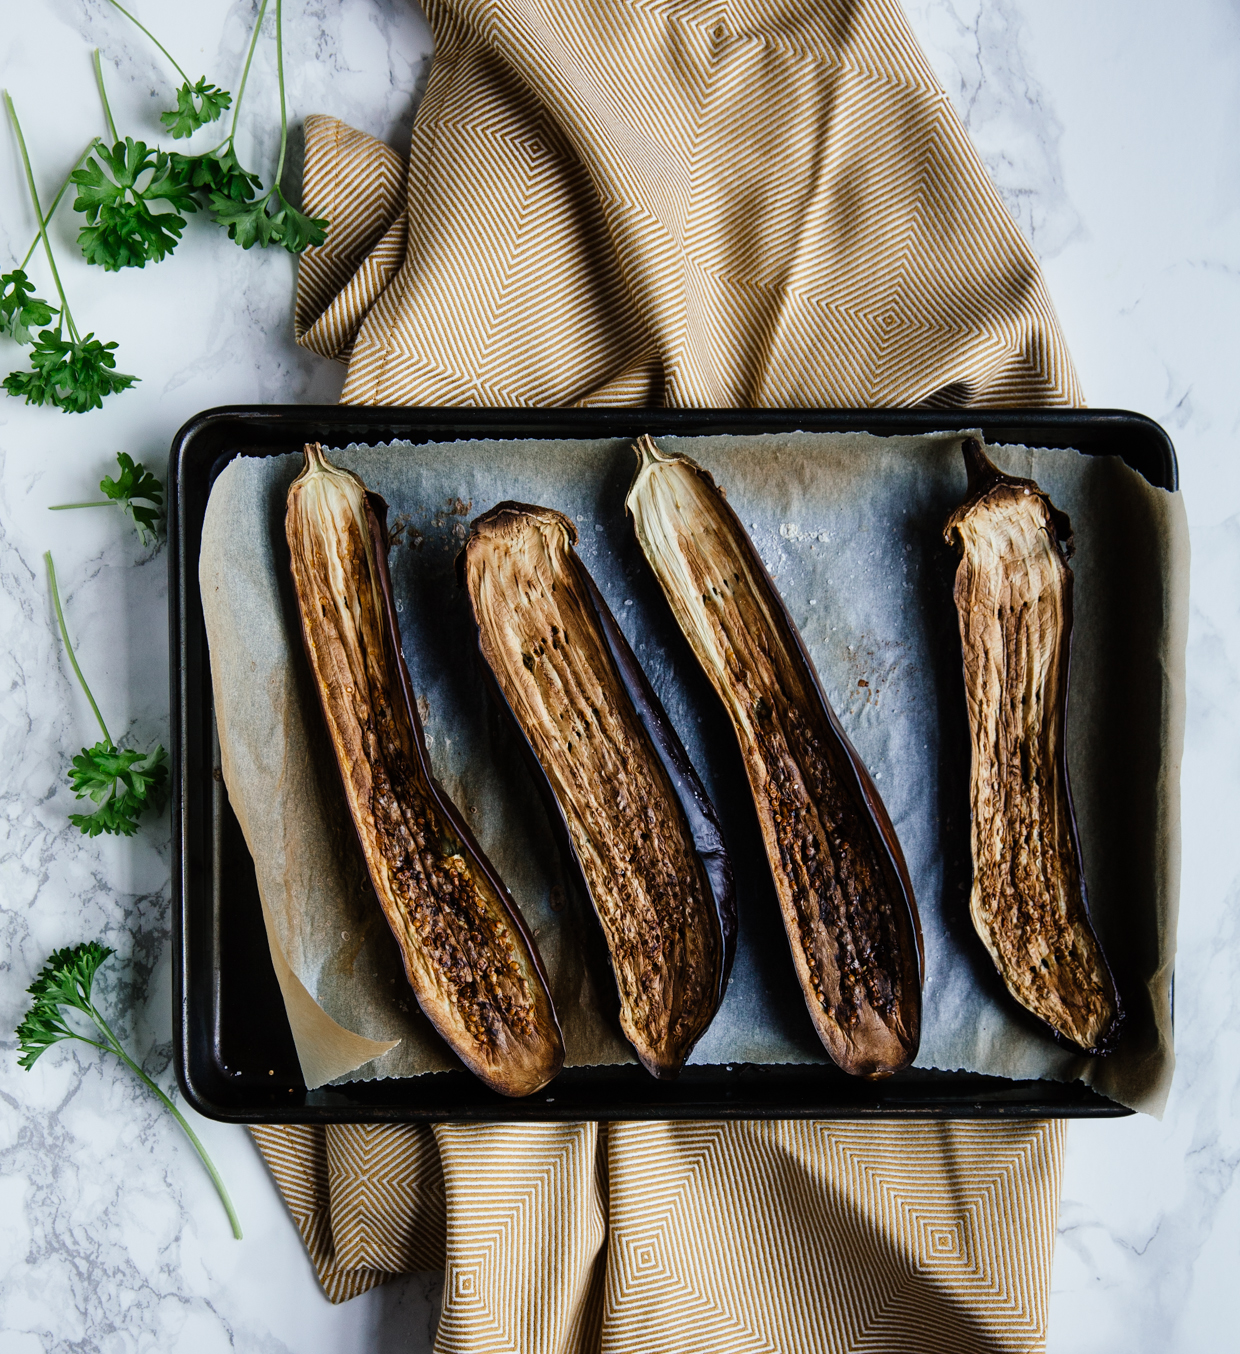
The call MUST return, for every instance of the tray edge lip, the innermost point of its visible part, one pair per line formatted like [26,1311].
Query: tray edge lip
[390,418]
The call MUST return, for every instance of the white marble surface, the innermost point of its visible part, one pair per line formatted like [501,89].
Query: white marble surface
[1109,129]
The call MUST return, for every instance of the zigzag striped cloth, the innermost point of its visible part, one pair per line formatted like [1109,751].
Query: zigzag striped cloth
[681,202]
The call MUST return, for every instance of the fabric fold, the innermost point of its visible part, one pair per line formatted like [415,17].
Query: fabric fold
[527,1224]
[767,204]
[368,1167]
[807,1235]
[296,1155]
[358,184]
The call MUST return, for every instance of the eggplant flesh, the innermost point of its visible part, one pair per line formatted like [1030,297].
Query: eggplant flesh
[639,823]
[1028,901]
[468,956]
[839,873]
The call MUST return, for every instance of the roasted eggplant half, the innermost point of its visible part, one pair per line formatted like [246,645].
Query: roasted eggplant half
[839,873]
[640,825]
[1014,602]
[468,956]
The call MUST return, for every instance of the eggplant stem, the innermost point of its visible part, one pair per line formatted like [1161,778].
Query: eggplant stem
[981,470]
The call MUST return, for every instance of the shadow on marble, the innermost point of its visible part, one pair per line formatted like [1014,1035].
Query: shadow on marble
[402,1317]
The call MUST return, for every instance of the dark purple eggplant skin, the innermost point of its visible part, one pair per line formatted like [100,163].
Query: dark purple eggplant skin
[703,820]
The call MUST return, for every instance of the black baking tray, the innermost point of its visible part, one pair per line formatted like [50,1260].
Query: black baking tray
[234,1053]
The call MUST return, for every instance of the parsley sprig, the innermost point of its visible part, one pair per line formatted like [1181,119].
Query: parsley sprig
[117,188]
[122,231]
[21,311]
[270,219]
[128,234]
[69,370]
[134,482]
[133,196]
[198,103]
[122,782]
[64,986]
[218,174]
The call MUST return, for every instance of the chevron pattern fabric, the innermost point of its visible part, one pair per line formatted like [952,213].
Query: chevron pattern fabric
[296,1155]
[687,202]
[368,1166]
[362,182]
[533,1191]
[723,1238]
[739,1238]
[704,202]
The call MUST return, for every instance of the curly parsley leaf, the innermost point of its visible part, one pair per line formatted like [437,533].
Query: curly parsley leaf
[115,193]
[131,237]
[136,482]
[197,105]
[21,311]
[64,985]
[269,221]
[65,980]
[123,783]
[71,375]
[216,172]
[297,231]
[247,223]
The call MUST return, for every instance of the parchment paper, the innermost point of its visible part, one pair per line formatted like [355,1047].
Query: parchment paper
[851,528]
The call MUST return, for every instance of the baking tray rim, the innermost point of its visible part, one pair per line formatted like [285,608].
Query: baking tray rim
[213,437]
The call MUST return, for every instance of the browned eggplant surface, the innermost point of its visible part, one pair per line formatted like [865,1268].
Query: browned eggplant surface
[1014,600]
[569,680]
[468,956]
[839,873]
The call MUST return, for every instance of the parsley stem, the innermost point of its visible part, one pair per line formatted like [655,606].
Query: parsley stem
[82,1039]
[152,37]
[64,188]
[65,313]
[283,111]
[94,503]
[103,95]
[245,74]
[114,1045]
[64,634]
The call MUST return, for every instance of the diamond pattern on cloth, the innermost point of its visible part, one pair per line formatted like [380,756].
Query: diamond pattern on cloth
[369,1166]
[296,1155]
[683,202]
[359,184]
[834,1236]
[756,203]
[527,1223]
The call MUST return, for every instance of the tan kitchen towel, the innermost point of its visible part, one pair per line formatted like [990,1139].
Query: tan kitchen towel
[732,202]
[803,1236]
[296,1155]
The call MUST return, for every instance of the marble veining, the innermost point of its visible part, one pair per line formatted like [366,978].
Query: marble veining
[978,51]
[1107,131]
